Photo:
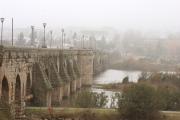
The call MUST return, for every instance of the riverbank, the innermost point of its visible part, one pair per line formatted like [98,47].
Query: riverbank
[37,113]
[143,65]
[115,87]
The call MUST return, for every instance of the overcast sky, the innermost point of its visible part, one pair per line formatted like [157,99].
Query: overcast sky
[121,14]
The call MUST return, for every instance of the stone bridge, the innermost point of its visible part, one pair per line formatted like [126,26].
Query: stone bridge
[41,76]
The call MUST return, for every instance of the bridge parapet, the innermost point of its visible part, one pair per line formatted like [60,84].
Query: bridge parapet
[15,52]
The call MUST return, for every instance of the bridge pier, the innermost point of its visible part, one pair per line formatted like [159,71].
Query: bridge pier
[57,96]
[66,90]
[20,111]
[85,61]
[73,86]
[48,98]
[78,83]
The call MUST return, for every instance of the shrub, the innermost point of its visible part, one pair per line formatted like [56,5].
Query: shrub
[86,99]
[168,97]
[125,80]
[138,102]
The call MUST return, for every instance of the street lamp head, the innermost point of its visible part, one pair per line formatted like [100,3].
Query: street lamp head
[44,24]
[2,20]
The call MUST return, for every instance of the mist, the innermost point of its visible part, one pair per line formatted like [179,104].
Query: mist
[161,15]
[138,27]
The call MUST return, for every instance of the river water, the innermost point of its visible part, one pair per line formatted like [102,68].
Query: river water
[116,76]
[113,76]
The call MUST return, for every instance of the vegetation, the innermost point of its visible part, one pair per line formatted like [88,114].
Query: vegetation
[85,113]
[111,86]
[169,98]
[167,87]
[5,110]
[138,102]
[125,80]
[73,113]
[86,99]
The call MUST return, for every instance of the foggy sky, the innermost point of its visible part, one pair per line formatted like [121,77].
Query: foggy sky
[121,14]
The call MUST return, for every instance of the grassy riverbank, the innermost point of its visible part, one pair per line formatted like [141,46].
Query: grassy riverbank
[93,114]
[116,87]
[4,114]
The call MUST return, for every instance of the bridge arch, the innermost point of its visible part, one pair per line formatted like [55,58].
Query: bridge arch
[18,89]
[5,90]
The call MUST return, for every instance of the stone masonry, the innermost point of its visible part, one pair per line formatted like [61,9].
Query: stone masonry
[42,76]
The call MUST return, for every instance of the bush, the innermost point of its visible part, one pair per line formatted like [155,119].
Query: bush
[143,77]
[125,80]
[168,97]
[101,100]
[86,99]
[138,102]
[168,89]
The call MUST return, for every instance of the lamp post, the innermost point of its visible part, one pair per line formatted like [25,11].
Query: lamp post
[12,32]
[65,40]
[74,40]
[2,20]
[44,44]
[83,41]
[51,32]
[62,37]
[32,35]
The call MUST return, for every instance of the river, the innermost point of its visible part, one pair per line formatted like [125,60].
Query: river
[116,76]
[113,76]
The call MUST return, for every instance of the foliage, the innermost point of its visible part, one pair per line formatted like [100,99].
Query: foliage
[125,80]
[114,99]
[168,97]
[86,99]
[138,102]
[73,113]
[168,89]
[101,99]
[143,77]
